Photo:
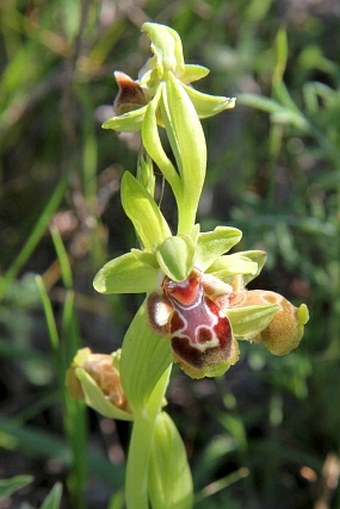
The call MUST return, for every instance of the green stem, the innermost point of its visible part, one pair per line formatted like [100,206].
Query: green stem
[136,484]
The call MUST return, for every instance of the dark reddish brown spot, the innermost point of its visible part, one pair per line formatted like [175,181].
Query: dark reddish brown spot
[203,335]
[177,323]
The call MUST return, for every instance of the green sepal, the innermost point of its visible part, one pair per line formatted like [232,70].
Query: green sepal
[127,122]
[176,257]
[167,47]
[170,483]
[187,141]
[208,105]
[228,266]
[213,244]
[95,398]
[134,272]
[148,221]
[194,72]
[248,321]
[145,357]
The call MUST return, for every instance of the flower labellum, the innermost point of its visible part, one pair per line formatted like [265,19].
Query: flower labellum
[193,316]
[130,95]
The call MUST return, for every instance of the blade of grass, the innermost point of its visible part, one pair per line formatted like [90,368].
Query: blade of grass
[53,499]
[34,236]
[50,319]
[75,413]
[65,266]
[9,486]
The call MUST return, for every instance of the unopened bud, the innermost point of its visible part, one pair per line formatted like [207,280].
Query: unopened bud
[286,328]
[95,378]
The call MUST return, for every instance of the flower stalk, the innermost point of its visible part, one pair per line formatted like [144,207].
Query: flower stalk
[197,307]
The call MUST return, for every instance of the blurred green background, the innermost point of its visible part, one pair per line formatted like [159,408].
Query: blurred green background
[266,435]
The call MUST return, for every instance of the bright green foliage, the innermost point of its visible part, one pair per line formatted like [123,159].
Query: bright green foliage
[170,484]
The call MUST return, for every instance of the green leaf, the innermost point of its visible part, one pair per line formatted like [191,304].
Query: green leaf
[213,244]
[170,482]
[95,398]
[136,483]
[187,141]
[248,321]
[13,484]
[176,257]
[134,272]
[148,221]
[281,55]
[53,499]
[145,357]
[208,105]
[127,122]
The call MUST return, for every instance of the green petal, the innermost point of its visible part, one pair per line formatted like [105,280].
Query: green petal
[228,266]
[208,105]
[257,256]
[148,221]
[213,244]
[128,122]
[248,321]
[176,257]
[134,272]
[145,357]
[194,72]
[170,482]
[95,398]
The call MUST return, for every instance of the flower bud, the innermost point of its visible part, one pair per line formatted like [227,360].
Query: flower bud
[95,378]
[285,330]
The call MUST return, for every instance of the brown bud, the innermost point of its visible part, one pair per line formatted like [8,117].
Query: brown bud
[103,371]
[285,330]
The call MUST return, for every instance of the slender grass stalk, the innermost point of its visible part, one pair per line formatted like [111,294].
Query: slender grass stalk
[64,346]
[34,237]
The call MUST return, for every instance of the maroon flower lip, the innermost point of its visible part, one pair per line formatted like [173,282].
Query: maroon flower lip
[200,333]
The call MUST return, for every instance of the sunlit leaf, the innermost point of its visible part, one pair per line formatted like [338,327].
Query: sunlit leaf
[170,482]
[148,221]
[145,357]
